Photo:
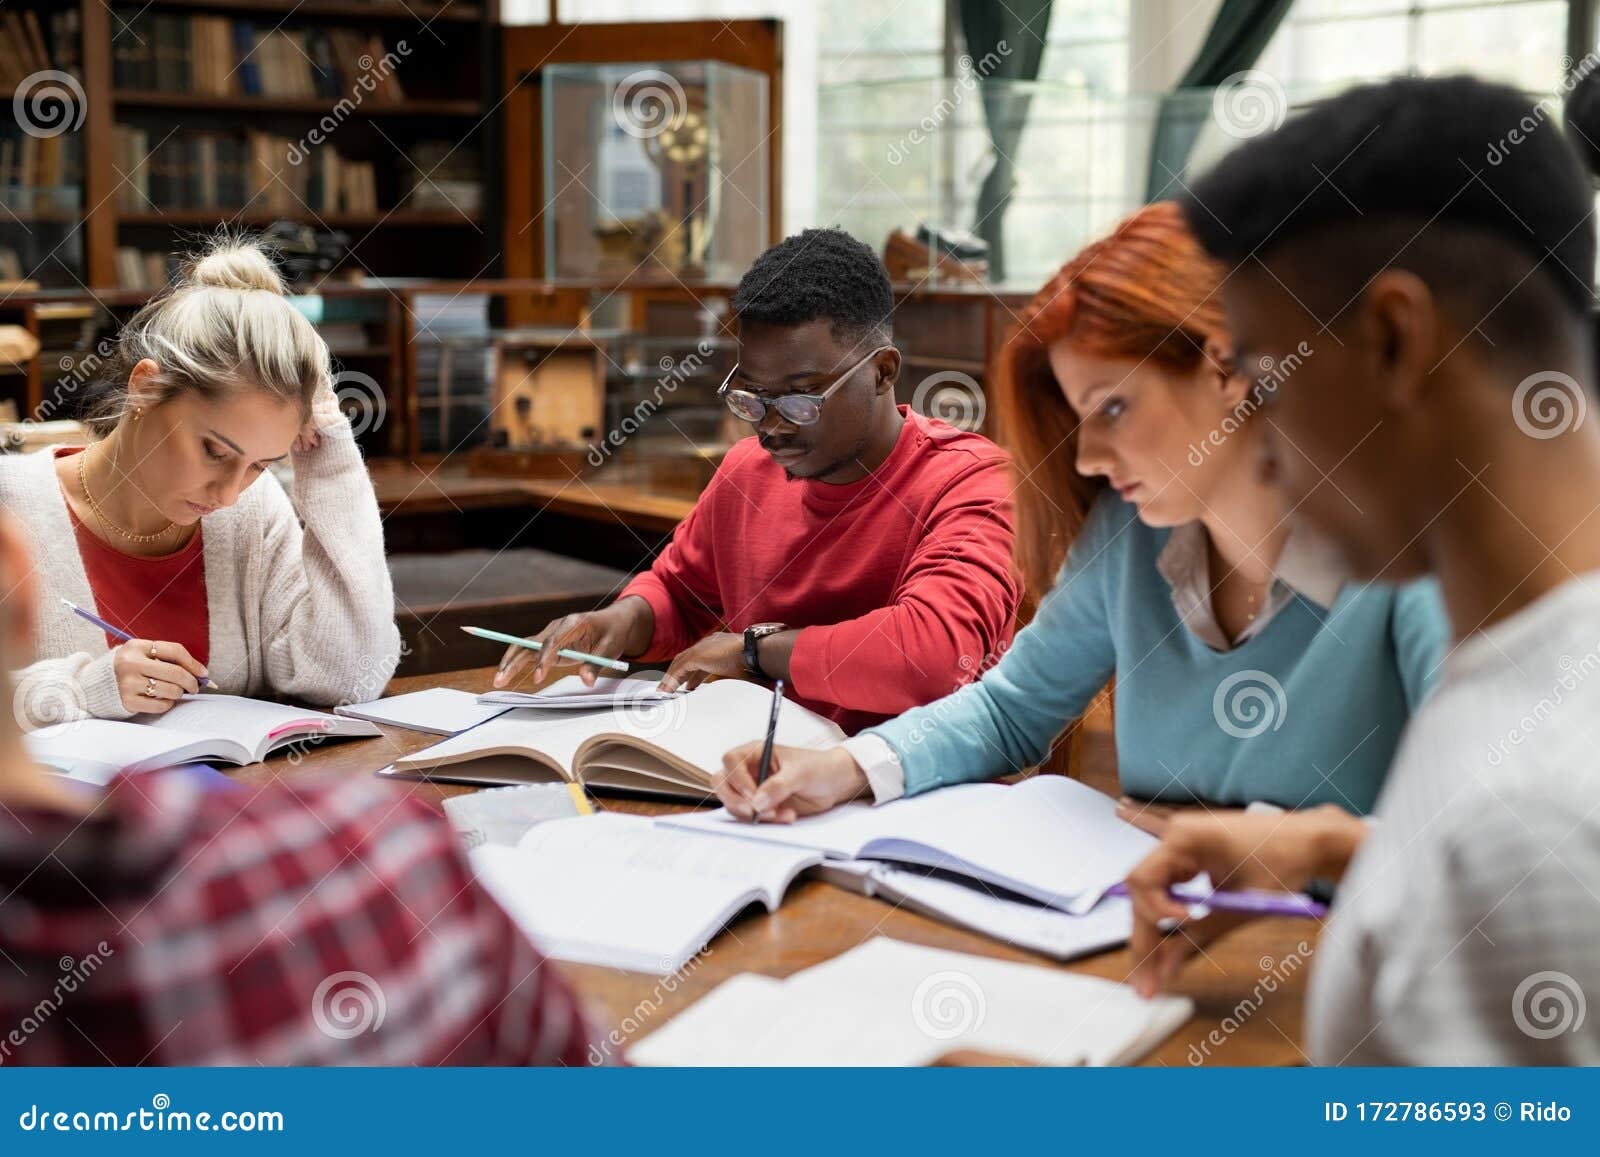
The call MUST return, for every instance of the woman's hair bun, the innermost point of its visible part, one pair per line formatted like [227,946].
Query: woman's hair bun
[235,263]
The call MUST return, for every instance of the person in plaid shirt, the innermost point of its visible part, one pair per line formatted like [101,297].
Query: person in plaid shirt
[166,923]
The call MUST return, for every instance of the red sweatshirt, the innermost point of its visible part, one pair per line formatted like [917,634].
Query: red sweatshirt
[903,582]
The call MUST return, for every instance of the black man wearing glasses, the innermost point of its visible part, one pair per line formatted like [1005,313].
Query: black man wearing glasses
[854,548]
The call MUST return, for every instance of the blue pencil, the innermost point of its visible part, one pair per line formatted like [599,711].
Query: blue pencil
[108,628]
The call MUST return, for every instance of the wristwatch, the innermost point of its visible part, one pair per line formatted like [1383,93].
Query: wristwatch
[752,635]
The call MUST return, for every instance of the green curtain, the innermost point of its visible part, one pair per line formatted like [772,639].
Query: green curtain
[1021,26]
[1238,35]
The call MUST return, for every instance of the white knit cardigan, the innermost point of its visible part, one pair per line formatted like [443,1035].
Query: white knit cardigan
[300,611]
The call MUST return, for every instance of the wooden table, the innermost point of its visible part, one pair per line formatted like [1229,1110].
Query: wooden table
[1248,989]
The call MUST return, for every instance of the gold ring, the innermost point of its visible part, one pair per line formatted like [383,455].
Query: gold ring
[152,651]
[149,687]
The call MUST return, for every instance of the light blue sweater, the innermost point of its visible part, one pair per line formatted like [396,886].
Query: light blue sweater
[1306,711]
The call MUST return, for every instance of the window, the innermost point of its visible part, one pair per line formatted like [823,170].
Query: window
[900,145]
[861,40]
[1327,44]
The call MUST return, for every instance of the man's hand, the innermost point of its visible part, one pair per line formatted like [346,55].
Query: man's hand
[1281,853]
[624,628]
[721,654]
[801,782]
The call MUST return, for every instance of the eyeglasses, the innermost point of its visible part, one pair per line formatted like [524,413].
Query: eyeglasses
[796,409]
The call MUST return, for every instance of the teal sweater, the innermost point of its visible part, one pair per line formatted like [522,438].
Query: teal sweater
[1307,711]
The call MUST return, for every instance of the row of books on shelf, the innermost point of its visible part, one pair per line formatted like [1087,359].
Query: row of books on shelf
[24,50]
[39,172]
[206,170]
[140,269]
[216,56]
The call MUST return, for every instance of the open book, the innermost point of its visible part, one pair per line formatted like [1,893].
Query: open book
[203,728]
[1048,838]
[617,890]
[663,748]
[890,1003]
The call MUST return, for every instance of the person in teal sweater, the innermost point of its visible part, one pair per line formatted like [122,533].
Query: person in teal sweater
[1246,669]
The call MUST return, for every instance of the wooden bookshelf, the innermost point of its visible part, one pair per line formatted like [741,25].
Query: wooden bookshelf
[353,10]
[315,107]
[450,76]
[429,218]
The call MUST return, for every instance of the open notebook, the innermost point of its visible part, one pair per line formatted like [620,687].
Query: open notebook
[570,694]
[1048,838]
[663,748]
[969,904]
[201,728]
[436,711]
[617,890]
[886,1002]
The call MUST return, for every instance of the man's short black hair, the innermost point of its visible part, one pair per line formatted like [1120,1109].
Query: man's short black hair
[819,273]
[1582,117]
[1467,184]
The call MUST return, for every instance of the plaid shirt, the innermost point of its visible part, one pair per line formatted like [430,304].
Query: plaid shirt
[327,923]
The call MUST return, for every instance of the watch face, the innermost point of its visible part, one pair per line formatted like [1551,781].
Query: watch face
[761,629]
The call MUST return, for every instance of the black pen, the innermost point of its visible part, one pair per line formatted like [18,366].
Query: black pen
[766,748]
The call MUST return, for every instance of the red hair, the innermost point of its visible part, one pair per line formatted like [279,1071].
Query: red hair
[1146,292]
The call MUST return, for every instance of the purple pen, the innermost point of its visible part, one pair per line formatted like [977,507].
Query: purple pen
[1248,900]
[109,629]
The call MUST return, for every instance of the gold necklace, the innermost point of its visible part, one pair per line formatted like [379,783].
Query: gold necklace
[83,481]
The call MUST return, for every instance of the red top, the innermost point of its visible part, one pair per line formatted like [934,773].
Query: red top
[903,580]
[304,923]
[161,598]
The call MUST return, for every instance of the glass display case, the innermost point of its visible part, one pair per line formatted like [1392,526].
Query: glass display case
[654,169]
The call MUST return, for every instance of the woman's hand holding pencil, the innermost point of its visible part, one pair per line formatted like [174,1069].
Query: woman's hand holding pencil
[801,782]
[151,674]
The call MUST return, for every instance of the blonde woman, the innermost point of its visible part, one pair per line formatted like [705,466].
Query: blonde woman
[165,527]
[251,927]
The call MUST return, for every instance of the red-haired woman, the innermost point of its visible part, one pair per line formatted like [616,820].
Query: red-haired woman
[1246,670]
